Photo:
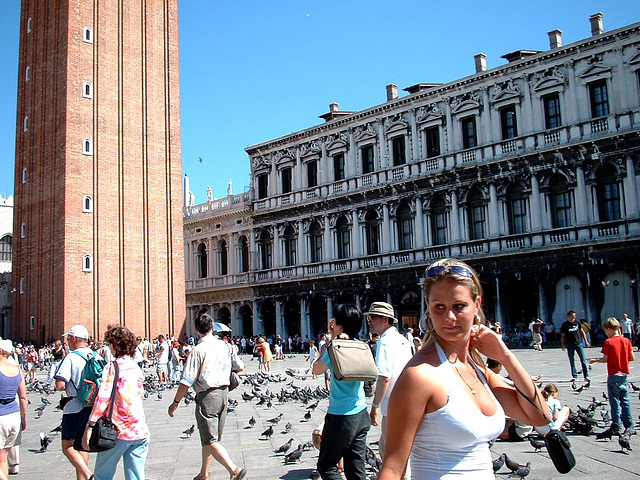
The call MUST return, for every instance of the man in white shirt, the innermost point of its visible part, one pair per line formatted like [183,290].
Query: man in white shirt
[74,415]
[162,359]
[627,327]
[393,351]
[208,369]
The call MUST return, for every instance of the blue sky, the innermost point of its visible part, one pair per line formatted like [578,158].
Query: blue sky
[255,70]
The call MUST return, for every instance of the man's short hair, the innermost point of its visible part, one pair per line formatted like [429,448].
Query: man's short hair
[204,323]
[349,317]
[570,312]
[612,323]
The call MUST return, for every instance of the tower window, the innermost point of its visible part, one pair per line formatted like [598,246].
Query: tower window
[87,147]
[87,90]
[29,25]
[87,35]
[87,204]
[21,285]
[32,322]
[24,175]
[23,230]
[87,263]
[26,123]
[27,73]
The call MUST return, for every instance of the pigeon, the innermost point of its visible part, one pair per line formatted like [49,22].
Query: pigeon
[159,396]
[624,443]
[252,422]
[523,471]
[268,432]
[605,435]
[511,465]
[573,384]
[294,456]
[275,420]
[634,387]
[606,418]
[189,431]
[536,443]
[307,416]
[313,405]
[44,442]
[604,395]
[285,447]
[247,397]
[498,462]
[287,427]
[45,401]
[580,388]
[57,429]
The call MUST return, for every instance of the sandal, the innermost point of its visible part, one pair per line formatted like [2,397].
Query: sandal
[200,477]
[240,474]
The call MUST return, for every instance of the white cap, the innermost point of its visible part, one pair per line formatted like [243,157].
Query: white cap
[6,346]
[78,331]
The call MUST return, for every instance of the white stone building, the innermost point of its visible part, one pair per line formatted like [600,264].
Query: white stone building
[528,171]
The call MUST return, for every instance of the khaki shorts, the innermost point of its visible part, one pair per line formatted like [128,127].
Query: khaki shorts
[10,430]
[211,413]
[161,368]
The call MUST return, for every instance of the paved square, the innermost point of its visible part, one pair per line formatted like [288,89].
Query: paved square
[172,455]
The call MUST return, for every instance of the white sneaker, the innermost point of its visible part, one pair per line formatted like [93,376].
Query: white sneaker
[15,470]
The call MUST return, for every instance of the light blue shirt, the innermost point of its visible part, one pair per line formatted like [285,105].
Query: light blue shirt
[345,398]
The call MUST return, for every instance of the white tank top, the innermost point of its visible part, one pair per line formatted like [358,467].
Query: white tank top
[452,442]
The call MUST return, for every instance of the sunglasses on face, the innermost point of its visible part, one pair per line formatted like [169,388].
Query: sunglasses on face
[454,269]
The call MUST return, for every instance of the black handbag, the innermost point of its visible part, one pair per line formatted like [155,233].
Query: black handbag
[104,433]
[559,449]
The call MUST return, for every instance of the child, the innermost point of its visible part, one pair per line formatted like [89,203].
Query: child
[559,414]
[617,352]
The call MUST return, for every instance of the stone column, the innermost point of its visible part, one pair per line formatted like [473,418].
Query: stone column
[386,230]
[351,162]
[212,260]
[630,190]
[277,248]
[279,320]
[305,328]
[302,245]
[536,207]
[582,211]
[543,309]
[329,308]
[494,226]
[256,320]
[384,158]
[455,218]
[327,240]
[498,315]
[323,165]
[363,330]
[419,224]
[423,307]
[415,139]
[235,325]
[357,246]
[253,252]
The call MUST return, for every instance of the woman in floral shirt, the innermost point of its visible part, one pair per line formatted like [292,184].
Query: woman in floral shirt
[132,444]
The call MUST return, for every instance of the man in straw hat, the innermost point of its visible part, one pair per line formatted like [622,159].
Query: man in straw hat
[392,354]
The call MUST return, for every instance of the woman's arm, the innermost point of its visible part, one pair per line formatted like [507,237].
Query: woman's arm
[319,367]
[528,406]
[404,419]
[22,398]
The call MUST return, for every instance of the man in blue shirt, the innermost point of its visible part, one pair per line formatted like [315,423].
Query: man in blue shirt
[347,421]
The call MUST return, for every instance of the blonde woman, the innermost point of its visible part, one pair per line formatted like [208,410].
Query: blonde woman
[457,404]
[13,413]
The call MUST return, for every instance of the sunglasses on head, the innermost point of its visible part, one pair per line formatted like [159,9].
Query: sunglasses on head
[454,269]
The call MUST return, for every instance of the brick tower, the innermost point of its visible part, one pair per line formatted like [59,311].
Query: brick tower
[98,199]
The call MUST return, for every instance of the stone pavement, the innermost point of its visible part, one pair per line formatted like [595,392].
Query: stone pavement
[171,456]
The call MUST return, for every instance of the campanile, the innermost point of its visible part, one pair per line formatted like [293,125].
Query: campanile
[98,199]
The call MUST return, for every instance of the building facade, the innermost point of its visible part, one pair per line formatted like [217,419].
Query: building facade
[528,171]
[97,215]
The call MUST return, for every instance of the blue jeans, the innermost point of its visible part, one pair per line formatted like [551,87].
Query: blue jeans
[571,351]
[618,390]
[133,454]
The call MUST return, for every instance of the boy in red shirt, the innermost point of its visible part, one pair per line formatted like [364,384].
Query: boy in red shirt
[617,352]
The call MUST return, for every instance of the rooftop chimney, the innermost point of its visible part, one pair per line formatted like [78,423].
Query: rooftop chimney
[597,26]
[333,107]
[555,38]
[481,62]
[334,112]
[392,92]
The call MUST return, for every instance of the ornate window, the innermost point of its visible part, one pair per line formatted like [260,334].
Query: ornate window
[344,238]
[608,194]
[244,254]
[560,196]
[290,242]
[476,215]
[5,248]
[508,122]
[223,252]
[517,209]
[372,232]
[368,165]
[315,240]
[338,167]
[202,261]
[398,151]
[469,134]
[312,174]
[439,221]
[263,182]
[405,230]
[265,248]
[599,99]
[432,135]
[285,176]
[552,116]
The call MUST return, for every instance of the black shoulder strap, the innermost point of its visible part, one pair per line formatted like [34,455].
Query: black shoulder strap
[113,389]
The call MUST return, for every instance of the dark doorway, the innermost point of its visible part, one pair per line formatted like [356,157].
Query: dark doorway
[245,318]
[291,316]
[318,315]
[268,313]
